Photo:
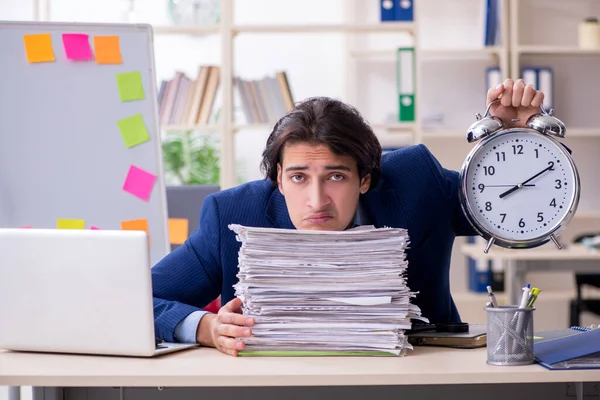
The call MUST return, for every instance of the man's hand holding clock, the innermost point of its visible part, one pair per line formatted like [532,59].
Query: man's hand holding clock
[518,102]
[519,184]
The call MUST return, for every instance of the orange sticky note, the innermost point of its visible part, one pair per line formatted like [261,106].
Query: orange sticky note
[39,48]
[178,230]
[136,225]
[70,224]
[107,49]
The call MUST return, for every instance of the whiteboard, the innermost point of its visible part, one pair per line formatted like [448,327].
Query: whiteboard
[62,155]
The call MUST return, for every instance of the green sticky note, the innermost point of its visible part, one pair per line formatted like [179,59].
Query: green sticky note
[133,130]
[70,224]
[130,86]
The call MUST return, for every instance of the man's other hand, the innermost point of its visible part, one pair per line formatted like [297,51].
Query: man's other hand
[225,329]
[517,102]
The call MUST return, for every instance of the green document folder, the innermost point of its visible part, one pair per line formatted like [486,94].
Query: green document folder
[405,83]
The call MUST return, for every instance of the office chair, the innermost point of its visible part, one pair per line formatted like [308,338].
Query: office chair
[579,304]
[185,201]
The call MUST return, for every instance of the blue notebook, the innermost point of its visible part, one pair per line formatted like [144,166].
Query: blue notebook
[568,349]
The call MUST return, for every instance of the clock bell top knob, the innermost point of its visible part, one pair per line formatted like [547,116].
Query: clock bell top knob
[484,126]
[546,123]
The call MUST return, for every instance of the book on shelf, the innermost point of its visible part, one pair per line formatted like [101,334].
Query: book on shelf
[263,100]
[493,23]
[190,101]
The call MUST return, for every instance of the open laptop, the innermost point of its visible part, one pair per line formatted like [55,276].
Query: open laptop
[78,291]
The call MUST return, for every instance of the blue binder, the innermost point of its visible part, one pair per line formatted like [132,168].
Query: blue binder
[573,349]
[404,10]
[396,10]
[479,275]
[388,10]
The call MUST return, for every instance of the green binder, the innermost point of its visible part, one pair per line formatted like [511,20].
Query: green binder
[405,83]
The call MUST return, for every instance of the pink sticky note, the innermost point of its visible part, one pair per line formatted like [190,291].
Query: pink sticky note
[94,228]
[26,227]
[139,182]
[77,46]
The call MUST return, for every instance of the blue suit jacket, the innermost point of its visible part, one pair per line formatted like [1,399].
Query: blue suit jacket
[415,193]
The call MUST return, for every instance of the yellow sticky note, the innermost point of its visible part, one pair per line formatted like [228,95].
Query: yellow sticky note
[133,130]
[178,230]
[136,225]
[130,86]
[39,48]
[70,224]
[108,50]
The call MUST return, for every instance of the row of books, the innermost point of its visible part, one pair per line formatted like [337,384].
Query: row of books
[265,100]
[195,101]
[186,101]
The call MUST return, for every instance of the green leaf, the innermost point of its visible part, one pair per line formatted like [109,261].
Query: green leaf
[190,158]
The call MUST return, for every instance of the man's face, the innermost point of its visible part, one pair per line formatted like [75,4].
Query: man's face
[321,189]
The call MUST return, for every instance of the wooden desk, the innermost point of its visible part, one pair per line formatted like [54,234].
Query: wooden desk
[202,367]
[519,262]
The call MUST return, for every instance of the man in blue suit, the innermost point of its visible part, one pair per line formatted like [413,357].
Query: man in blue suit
[324,170]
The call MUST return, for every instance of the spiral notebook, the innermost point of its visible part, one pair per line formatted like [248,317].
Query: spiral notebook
[573,348]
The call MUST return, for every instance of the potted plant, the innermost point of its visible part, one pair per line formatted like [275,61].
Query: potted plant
[190,158]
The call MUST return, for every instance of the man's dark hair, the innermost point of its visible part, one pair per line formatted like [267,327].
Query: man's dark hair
[329,122]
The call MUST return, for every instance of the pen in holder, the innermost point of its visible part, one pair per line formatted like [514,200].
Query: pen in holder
[509,335]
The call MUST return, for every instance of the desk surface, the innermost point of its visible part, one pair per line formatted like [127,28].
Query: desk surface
[207,367]
[572,252]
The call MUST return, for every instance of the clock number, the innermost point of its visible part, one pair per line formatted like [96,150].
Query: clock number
[488,206]
[540,217]
[517,149]
[500,156]
[503,217]
[551,164]
[481,186]
[537,153]
[521,223]
[489,170]
[553,203]
[558,184]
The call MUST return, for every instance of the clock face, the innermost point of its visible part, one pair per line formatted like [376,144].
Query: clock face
[520,185]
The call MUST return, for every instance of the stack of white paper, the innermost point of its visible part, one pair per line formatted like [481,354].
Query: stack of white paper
[326,291]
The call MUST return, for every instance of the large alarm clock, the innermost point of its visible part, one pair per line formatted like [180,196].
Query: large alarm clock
[519,187]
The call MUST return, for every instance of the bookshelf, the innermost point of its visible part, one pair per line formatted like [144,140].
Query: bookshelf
[228,31]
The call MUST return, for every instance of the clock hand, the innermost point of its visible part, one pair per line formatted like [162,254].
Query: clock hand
[520,185]
[529,185]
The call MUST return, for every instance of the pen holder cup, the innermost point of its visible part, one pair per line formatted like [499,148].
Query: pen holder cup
[509,335]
